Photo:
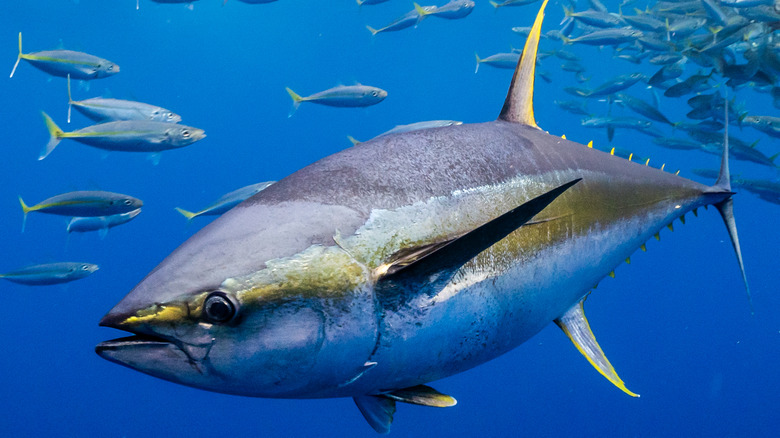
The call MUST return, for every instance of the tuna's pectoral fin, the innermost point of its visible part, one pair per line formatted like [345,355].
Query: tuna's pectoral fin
[576,327]
[377,410]
[435,263]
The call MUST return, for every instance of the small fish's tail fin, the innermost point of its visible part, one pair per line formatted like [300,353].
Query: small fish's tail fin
[18,58]
[25,210]
[372,30]
[188,214]
[568,11]
[565,39]
[726,206]
[421,12]
[70,99]
[495,5]
[479,61]
[296,100]
[353,140]
[55,136]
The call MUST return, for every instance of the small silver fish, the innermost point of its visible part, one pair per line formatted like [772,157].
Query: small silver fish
[102,109]
[83,203]
[453,10]
[101,224]
[499,60]
[606,37]
[345,96]
[407,20]
[512,3]
[62,63]
[50,273]
[227,201]
[126,136]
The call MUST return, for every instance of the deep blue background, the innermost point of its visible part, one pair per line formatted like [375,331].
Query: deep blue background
[675,323]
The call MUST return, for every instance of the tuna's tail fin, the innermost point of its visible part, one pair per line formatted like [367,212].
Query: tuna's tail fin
[726,206]
[18,58]
[25,210]
[70,99]
[188,214]
[55,136]
[296,100]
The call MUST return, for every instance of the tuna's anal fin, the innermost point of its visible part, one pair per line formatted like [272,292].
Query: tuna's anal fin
[577,328]
[519,103]
[377,410]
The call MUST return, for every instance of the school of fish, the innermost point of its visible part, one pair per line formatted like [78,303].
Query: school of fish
[699,49]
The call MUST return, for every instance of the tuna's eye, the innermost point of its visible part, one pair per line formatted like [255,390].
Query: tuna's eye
[373,93]
[185,134]
[85,267]
[218,307]
[110,67]
[128,202]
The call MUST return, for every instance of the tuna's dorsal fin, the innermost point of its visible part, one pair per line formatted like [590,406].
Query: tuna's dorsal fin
[422,395]
[377,410]
[576,327]
[442,260]
[519,103]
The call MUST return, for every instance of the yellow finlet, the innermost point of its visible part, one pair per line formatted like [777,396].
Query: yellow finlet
[590,144]
[670,226]
[647,163]
[519,103]
[678,172]
[563,136]
[630,156]
[628,260]
[662,166]
[682,219]
[576,326]
[612,152]
[657,237]
[612,274]
[696,212]
[643,247]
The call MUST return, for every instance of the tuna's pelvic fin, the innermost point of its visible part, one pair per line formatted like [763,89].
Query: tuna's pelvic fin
[445,258]
[519,103]
[377,410]
[424,396]
[576,327]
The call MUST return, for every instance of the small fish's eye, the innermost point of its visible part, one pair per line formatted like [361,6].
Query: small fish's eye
[373,93]
[128,202]
[85,267]
[219,307]
[110,67]
[185,134]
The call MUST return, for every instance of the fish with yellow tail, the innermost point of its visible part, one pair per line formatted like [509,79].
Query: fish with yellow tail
[413,257]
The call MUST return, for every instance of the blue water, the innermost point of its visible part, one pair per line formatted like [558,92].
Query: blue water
[675,322]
